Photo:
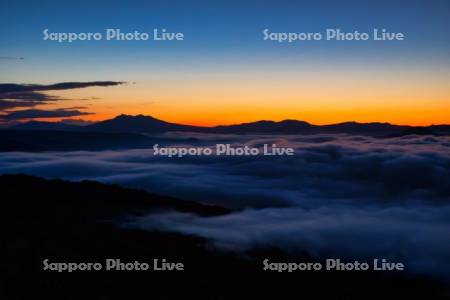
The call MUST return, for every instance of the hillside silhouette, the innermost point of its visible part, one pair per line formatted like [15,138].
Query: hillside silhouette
[81,222]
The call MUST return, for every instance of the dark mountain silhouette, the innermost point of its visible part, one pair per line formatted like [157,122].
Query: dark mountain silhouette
[440,129]
[139,123]
[124,132]
[84,222]
[148,124]
[363,128]
[416,131]
[283,127]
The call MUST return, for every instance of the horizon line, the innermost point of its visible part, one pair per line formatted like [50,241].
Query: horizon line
[232,124]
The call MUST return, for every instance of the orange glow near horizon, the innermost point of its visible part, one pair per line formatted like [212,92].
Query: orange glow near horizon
[397,97]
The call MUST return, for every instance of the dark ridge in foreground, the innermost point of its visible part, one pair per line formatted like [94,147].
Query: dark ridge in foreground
[90,199]
[77,222]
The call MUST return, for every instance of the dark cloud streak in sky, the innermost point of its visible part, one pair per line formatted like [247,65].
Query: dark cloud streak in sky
[13,96]
[13,87]
[40,113]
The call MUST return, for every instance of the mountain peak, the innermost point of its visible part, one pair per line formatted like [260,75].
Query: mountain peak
[140,116]
[137,123]
[291,121]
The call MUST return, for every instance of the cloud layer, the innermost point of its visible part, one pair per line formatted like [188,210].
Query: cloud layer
[336,168]
[352,196]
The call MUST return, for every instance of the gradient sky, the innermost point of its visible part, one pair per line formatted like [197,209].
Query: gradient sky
[223,72]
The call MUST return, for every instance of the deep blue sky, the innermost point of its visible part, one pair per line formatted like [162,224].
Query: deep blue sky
[224,42]
[229,30]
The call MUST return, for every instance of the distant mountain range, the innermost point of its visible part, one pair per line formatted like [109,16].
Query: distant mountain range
[148,124]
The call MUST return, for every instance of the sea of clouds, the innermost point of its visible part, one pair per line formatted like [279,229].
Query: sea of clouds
[348,196]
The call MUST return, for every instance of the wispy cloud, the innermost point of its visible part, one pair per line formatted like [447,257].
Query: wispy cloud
[40,113]
[13,87]
[13,96]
